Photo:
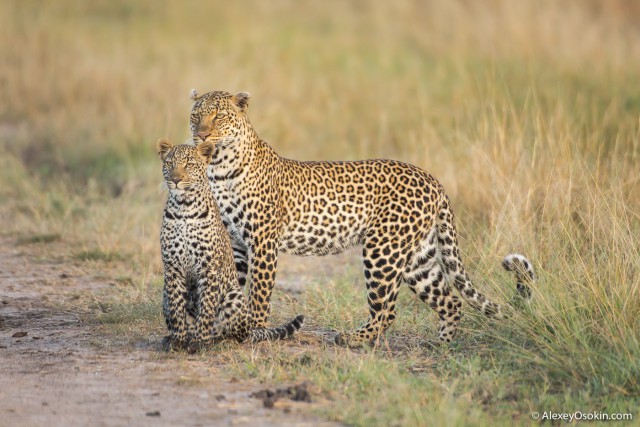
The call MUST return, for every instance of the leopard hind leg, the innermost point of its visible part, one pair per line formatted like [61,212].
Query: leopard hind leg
[234,319]
[384,261]
[425,277]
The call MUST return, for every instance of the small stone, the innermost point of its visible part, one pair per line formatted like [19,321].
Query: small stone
[220,397]
[19,334]
[153,414]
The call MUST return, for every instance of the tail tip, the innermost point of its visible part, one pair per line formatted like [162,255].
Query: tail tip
[516,262]
[523,270]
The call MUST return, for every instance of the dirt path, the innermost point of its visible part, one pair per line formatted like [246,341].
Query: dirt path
[56,375]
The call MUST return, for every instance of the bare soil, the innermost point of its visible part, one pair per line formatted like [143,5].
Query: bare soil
[54,372]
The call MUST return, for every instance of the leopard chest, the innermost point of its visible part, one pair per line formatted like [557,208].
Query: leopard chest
[235,207]
[189,243]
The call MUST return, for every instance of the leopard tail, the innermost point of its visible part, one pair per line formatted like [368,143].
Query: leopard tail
[523,270]
[450,256]
[277,333]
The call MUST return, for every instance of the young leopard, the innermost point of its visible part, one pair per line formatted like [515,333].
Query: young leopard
[398,212]
[202,298]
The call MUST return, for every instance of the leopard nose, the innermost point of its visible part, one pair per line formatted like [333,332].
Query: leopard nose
[176,178]
[203,135]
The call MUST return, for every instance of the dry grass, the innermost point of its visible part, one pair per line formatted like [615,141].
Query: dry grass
[527,111]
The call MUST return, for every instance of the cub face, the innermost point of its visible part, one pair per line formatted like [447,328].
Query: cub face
[184,166]
[216,115]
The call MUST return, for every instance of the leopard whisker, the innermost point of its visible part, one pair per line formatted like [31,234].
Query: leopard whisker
[191,141]
[163,186]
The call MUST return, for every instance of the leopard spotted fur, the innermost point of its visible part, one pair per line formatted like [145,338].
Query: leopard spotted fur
[202,299]
[399,213]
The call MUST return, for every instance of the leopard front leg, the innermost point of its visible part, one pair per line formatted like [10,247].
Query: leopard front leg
[241,260]
[208,296]
[174,304]
[263,260]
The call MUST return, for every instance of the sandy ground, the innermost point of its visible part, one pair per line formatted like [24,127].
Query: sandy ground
[58,374]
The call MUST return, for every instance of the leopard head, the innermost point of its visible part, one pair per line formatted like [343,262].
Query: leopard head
[184,166]
[219,116]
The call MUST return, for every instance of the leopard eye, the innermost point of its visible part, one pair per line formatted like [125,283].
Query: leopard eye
[221,114]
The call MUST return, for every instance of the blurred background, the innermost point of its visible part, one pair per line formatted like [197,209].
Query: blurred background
[527,111]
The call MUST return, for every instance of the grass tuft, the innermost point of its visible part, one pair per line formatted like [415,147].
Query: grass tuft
[98,255]
[39,238]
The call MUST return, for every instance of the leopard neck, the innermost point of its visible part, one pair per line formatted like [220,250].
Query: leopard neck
[242,154]
[194,203]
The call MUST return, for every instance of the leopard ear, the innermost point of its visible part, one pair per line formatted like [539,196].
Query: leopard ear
[241,100]
[163,145]
[205,150]
[194,95]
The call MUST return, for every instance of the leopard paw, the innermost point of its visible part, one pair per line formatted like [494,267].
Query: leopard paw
[171,344]
[197,345]
[350,340]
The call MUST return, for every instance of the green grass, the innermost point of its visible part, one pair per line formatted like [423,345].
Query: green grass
[527,112]
[546,358]
[98,255]
[39,238]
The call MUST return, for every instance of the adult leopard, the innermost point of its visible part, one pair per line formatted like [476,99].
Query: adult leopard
[398,212]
